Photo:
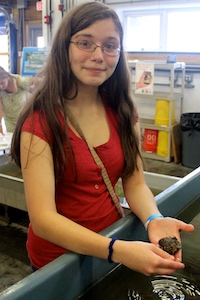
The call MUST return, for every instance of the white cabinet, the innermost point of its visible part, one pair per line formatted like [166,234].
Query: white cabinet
[171,89]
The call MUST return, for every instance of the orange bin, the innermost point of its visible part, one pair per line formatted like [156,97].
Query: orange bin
[150,140]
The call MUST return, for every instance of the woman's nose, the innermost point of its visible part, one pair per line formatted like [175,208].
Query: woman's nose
[98,54]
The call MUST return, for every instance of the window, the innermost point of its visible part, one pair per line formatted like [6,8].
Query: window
[143,32]
[35,31]
[182,31]
[169,30]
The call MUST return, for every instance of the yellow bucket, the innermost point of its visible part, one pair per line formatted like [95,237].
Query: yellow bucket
[162,147]
[163,112]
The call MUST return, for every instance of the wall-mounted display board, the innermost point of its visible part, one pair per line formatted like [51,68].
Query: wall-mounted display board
[33,60]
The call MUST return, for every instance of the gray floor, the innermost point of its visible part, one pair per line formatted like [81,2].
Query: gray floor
[13,256]
[166,168]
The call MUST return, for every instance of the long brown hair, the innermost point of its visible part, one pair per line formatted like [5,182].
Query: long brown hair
[57,81]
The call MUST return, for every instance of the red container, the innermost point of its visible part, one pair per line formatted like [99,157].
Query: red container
[150,140]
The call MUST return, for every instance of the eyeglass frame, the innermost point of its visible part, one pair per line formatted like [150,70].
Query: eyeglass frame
[96,46]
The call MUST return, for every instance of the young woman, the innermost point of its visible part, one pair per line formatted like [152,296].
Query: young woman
[86,82]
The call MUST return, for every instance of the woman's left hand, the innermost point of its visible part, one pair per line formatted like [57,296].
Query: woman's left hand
[168,227]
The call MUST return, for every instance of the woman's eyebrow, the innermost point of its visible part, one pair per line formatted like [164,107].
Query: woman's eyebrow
[83,35]
[91,36]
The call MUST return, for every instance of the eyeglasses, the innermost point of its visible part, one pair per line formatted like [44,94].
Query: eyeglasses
[87,46]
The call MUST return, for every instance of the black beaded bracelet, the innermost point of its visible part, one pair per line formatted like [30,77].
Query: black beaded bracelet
[110,248]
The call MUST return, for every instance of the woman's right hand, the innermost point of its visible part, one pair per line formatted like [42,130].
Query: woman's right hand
[145,258]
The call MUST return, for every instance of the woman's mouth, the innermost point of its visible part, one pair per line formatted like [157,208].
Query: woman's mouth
[95,70]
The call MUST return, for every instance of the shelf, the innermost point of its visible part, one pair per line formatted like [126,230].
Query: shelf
[159,95]
[172,92]
[149,123]
[160,65]
[153,155]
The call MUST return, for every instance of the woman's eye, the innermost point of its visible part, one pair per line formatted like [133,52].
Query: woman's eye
[84,44]
[109,47]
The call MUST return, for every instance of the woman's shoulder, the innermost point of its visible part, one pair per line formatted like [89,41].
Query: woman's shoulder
[22,82]
[36,123]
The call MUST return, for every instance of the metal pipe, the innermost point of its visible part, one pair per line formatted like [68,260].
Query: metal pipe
[7,16]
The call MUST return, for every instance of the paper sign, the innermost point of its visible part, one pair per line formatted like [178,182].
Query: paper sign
[144,78]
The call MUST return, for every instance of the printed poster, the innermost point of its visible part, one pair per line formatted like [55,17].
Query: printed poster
[144,78]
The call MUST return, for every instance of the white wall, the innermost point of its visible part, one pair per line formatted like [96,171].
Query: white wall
[82,1]
[56,17]
[146,4]
[191,101]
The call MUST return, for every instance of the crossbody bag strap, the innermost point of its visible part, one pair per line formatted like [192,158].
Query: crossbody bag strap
[98,161]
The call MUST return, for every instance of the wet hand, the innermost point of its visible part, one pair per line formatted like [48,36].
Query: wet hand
[168,227]
[145,258]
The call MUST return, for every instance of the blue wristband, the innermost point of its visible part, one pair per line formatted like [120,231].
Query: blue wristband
[151,218]
[110,248]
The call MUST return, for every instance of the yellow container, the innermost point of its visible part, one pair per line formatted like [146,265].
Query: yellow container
[163,112]
[162,147]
